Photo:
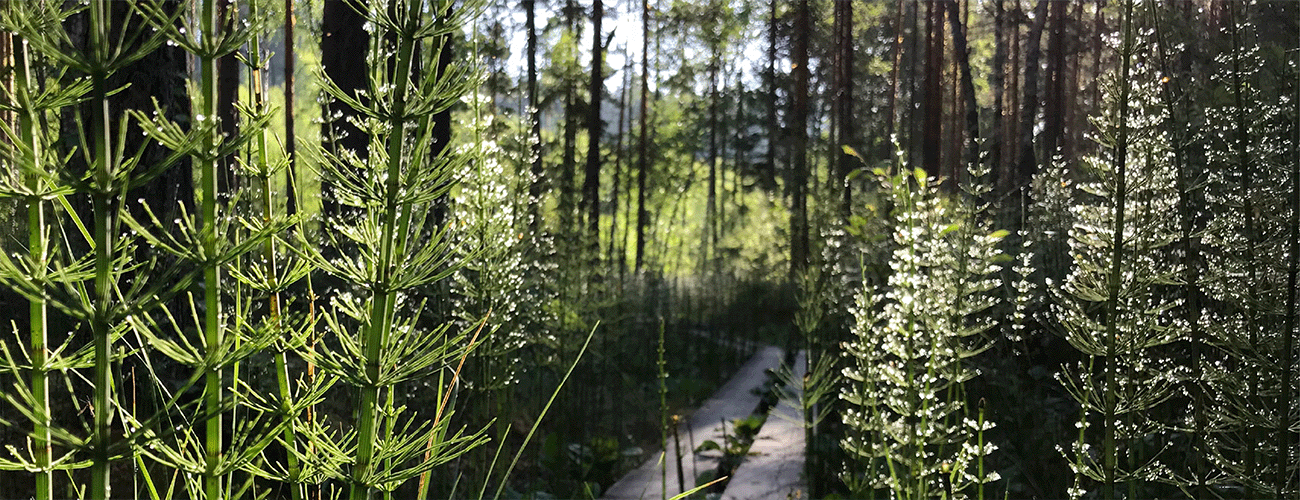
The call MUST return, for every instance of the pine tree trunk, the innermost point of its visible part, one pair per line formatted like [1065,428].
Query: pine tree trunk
[616,253]
[933,103]
[844,105]
[535,186]
[997,81]
[1029,111]
[643,156]
[227,95]
[343,48]
[773,126]
[290,141]
[1054,105]
[446,50]
[595,128]
[967,84]
[799,153]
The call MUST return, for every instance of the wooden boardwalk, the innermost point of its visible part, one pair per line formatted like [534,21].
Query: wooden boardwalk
[774,469]
[735,399]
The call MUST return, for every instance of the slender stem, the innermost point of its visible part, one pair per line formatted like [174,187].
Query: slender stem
[1116,260]
[101,201]
[212,333]
[268,249]
[1242,143]
[39,251]
[381,314]
[1284,432]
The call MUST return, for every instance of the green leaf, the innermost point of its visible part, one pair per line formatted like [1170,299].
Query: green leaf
[999,234]
[707,445]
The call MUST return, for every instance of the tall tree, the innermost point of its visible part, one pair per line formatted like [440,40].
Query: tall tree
[844,121]
[962,54]
[1054,106]
[933,116]
[643,147]
[617,250]
[569,148]
[714,42]
[997,81]
[799,148]
[595,127]
[536,184]
[1026,165]
[773,126]
[290,142]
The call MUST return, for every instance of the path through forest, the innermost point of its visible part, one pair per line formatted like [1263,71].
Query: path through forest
[737,399]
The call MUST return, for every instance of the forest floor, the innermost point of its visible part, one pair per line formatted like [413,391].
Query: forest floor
[767,471]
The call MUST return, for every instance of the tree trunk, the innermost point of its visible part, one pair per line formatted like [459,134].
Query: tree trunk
[595,127]
[1054,105]
[568,156]
[615,253]
[535,186]
[799,129]
[643,147]
[444,52]
[343,46]
[998,84]
[933,125]
[1011,146]
[967,85]
[1029,112]
[891,120]
[227,95]
[773,126]
[844,122]
[290,144]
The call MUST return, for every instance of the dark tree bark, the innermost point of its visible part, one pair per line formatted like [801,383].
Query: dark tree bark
[536,185]
[891,119]
[933,102]
[998,84]
[773,126]
[1029,112]
[290,143]
[227,95]
[595,127]
[799,150]
[1011,143]
[343,45]
[967,85]
[445,50]
[569,154]
[643,147]
[616,251]
[844,123]
[1054,105]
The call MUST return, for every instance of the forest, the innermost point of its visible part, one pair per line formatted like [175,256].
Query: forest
[310,249]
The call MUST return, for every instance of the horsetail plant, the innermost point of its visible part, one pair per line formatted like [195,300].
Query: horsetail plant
[1111,303]
[379,341]
[211,243]
[271,278]
[1251,445]
[119,290]
[27,157]
[911,338]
